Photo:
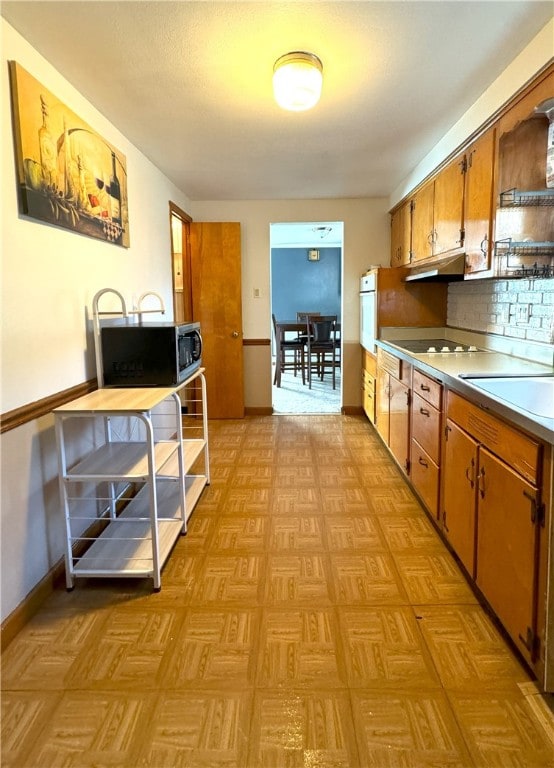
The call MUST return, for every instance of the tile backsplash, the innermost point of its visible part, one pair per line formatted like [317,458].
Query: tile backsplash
[520,309]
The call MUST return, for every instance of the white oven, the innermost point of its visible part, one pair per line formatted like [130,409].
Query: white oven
[368,311]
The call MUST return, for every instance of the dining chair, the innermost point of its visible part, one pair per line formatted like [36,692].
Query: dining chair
[321,346]
[303,317]
[295,347]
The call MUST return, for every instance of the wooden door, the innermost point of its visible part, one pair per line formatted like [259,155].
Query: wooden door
[422,222]
[507,548]
[478,203]
[448,208]
[215,252]
[459,493]
[399,419]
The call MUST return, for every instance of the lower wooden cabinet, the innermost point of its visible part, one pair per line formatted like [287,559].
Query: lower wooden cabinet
[493,516]
[393,406]
[459,511]
[424,473]
[507,541]
[426,416]
[369,383]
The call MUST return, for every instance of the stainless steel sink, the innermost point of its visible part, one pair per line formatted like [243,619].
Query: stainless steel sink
[529,393]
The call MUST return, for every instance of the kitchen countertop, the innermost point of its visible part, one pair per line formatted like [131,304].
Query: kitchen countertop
[447,367]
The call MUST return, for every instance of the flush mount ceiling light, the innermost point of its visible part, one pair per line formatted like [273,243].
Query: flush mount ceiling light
[322,231]
[297,79]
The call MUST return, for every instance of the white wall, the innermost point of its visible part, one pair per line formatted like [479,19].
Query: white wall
[49,276]
[366,242]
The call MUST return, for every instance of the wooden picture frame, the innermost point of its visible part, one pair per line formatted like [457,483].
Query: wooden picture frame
[68,175]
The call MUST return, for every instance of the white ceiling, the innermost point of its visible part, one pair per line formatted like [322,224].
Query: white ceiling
[307,234]
[189,83]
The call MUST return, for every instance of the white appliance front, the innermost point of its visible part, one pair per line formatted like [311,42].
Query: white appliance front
[368,311]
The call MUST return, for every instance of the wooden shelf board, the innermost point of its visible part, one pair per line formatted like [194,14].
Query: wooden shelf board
[121,461]
[125,548]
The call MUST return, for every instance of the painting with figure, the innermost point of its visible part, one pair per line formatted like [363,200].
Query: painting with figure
[68,174]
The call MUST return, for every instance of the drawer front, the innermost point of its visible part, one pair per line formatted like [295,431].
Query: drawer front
[369,404]
[425,477]
[522,453]
[427,388]
[426,425]
[368,381]
[369,363]
[389,363]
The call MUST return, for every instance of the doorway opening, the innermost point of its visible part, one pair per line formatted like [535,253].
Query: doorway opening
[306,277]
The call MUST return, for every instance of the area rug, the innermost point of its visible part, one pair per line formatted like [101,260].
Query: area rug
[294,397]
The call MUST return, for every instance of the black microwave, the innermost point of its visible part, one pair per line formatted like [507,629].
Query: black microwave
[149,354]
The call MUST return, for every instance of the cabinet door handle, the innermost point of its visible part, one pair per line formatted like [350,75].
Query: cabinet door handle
[482,482]
[424,388]
[424,412]
[472,470]
[484,245]
[422,462]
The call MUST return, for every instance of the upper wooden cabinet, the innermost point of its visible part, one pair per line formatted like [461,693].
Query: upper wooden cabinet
[448,208]
[422,222]
[400,236]
[491,201]
[478,202]
[524,233]
[437,211]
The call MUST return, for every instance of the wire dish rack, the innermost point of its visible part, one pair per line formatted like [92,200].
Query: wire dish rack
[524,258]
[517,198]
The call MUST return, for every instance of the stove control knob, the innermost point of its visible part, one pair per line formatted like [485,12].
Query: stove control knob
[445,349]
[458,349]
[472,349]
[431,349]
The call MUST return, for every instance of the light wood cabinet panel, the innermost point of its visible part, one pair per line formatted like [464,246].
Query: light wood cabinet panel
[369,384]
[424,474]
[409,304]
[401,226]
[448,208]
[478,203]
[369,362]
[394,377]
[460,493]
[507,548]
[382,404]
[516,449]
[426,421]
[368,395]
[422,223]
[427,388]
[399,422]
[491,495]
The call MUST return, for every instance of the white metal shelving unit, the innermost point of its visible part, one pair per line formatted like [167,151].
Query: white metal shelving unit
[129,498]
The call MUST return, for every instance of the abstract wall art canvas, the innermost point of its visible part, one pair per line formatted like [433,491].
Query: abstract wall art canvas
[68,175]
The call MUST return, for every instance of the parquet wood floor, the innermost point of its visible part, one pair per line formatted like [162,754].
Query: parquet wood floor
[311,618]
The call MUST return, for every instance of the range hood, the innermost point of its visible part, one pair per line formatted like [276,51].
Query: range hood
[446,269]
